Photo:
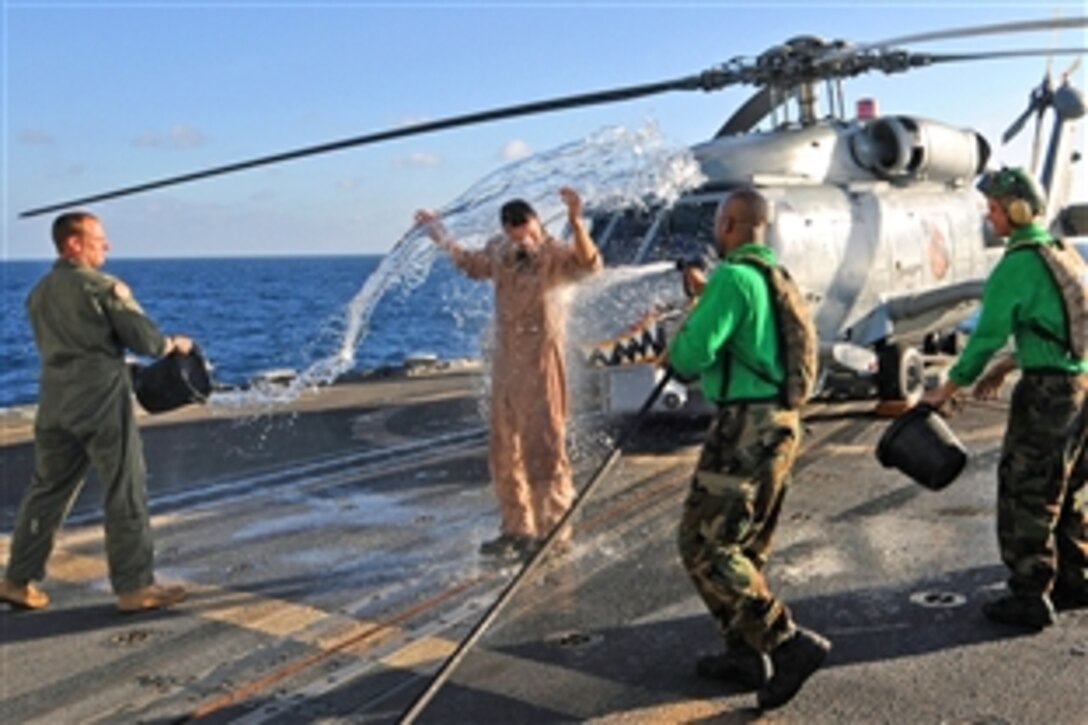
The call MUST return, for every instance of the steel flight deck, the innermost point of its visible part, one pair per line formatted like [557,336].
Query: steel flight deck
[331,553]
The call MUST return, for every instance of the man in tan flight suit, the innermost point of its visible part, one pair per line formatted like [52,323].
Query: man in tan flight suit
[527,444]
[83,321]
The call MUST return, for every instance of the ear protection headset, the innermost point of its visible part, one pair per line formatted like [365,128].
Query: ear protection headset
[1020,212]
[1017,192]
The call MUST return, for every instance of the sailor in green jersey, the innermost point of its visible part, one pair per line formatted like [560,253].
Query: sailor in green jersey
[83,320]
[1042,516]
[730,341]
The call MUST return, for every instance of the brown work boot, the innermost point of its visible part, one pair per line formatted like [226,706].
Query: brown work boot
[738,663]
[1027,612]
[23,596]
[793,662]
[153,596]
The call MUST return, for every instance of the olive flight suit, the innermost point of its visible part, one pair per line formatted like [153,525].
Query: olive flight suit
[83,320]
[527,441]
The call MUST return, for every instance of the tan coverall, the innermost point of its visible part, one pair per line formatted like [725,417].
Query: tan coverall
[527,443]
[83,320]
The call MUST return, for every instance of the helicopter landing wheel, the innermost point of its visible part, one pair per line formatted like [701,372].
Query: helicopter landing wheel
[901,375]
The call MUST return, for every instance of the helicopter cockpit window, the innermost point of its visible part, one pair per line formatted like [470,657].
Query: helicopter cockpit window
[620,235]
[686,234]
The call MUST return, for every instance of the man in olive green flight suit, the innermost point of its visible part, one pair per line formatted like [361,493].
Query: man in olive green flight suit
[730,341]
[83,320]
[1042,509]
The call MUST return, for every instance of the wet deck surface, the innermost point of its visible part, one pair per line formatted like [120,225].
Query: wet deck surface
[331,553]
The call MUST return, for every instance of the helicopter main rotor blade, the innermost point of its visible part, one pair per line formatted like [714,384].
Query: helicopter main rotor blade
[754,110]
[855,60]
[1024,26]
[996,54]
[707,81]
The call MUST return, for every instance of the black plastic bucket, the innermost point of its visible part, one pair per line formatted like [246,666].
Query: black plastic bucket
[172,382]
[920,444]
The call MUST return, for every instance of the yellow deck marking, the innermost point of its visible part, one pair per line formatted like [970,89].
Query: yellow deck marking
[846,449]
[685,711]
[424,651]
[270,616]
[274,617]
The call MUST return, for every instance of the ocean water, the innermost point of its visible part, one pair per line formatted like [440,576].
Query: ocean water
[254,314]
[325,316]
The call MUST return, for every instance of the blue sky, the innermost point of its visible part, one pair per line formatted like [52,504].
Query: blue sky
[104,95]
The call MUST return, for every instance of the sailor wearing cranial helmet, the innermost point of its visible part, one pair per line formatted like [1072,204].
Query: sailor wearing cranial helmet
[1042,518]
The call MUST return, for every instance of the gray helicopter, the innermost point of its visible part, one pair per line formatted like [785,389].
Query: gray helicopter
[876,216]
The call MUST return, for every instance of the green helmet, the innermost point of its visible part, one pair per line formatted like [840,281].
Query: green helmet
[1012,182]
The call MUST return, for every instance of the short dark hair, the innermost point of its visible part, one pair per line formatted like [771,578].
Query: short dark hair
[68,224]
[516,212]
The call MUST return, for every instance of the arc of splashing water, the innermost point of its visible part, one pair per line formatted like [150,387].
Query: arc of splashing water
[411,255]
[613,168]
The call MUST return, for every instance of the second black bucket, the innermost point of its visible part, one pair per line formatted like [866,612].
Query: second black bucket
[172,382]
[920,444]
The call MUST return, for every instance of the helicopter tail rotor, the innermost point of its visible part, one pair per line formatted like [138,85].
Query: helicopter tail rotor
[1042,98]
[1036,142]
[1072,68]
[1018,125]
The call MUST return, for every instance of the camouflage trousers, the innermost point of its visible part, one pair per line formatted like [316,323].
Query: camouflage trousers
[730,516]
[1042,501]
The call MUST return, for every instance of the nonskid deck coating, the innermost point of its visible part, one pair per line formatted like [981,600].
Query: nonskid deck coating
[343,614]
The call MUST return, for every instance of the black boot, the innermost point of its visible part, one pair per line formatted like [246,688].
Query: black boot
[1026,612]
[508,546]
[1065,597]
[738,663]
[793,662]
